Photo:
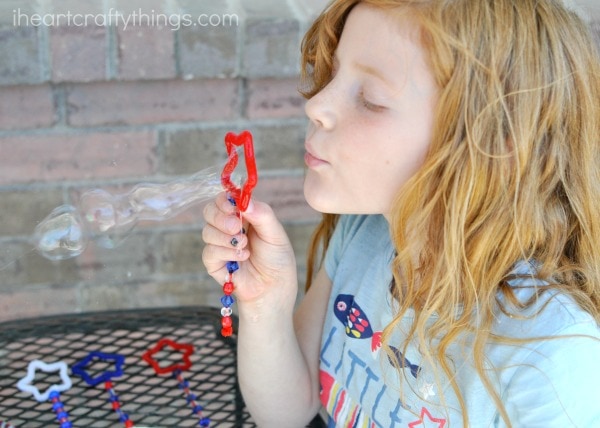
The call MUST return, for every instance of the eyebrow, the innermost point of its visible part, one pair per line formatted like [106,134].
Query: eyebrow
[367,69]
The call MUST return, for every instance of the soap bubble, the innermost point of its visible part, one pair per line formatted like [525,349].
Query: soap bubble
[108,219]
[61,235]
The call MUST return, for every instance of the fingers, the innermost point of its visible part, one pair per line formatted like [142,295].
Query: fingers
[223,237]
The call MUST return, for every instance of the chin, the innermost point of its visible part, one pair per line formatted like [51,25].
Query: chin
[318,199]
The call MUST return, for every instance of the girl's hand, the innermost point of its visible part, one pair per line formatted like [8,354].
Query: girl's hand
[267,273]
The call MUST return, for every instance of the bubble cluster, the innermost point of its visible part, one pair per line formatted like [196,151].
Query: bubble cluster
[108,219]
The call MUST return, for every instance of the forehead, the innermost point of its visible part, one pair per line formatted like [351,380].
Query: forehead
[378,29]
[381,39]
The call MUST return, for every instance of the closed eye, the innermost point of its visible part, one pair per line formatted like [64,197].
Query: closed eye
[369,105]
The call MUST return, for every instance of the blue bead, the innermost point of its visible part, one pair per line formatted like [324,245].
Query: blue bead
[62,415]
[191,398]
[227,301]
[197,409]
[231,200]
[232,267]
[54,394]
[113,398]
[66,425]
[57,405]
[204,422]
[123,417]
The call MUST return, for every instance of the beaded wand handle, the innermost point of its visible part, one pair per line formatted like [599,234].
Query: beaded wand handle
[53,392]
[80,368]
[176,370]
[239,197]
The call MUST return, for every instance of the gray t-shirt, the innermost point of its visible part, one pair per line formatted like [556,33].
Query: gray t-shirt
[550,383]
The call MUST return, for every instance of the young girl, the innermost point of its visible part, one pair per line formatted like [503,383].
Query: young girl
[454,147]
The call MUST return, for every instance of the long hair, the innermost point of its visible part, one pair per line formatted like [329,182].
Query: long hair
[513,170]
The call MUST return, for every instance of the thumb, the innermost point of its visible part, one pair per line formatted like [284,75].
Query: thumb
[262,219]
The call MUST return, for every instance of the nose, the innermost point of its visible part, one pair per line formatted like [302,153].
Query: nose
[320,108]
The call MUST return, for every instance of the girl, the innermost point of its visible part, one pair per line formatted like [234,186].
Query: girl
[453,145]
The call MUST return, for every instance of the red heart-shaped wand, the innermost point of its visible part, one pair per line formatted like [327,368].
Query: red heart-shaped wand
[241,195]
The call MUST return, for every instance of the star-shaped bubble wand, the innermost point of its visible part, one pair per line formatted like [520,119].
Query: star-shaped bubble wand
[81,367]
[240,198]
[176,370]
[53,392]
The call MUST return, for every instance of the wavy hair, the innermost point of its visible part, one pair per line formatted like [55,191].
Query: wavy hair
[513,170]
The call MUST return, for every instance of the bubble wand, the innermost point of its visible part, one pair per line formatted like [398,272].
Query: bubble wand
[239,197]
[53,392]
[176,369]
[81,368]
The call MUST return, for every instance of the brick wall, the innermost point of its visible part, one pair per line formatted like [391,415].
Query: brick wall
[109,106]
[91,105]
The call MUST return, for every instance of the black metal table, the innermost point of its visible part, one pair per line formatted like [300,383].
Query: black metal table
[149,399]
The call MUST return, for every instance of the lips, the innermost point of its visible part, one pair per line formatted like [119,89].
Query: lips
[311,160]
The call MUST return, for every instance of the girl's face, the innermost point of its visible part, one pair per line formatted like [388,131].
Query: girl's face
[371,126]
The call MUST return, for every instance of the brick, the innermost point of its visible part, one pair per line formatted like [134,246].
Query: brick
[21,211]
[274,98]
[17,13]
[299,235]
[279,146]
[191,150]
[134,103]
[22,267]
[42,301]
[78,53]
[311,8]
[267,9]
[94,8]
[276,147]
[285,194]
[207,50]
[267,51]
[25,107]
[54,157]
[146,52]
[19,51]
[190,214]
[181,252]
[202,290]
[133,259]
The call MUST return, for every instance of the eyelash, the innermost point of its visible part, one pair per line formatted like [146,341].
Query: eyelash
[368,105]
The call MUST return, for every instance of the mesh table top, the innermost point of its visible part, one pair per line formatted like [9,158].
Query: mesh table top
[149,399]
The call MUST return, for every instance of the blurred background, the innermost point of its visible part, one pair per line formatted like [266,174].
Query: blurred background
[111,93]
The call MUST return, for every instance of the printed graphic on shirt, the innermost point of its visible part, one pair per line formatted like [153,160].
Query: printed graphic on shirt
[427,421]
[353,390]
[403,362]
[338,403]
[355,321]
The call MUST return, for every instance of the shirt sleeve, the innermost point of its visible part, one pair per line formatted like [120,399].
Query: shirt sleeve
[558,384]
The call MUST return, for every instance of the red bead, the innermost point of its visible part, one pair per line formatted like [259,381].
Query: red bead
[128,423]
[226,322]
[116,405]
[108,384]
[226,331]
[228,288]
